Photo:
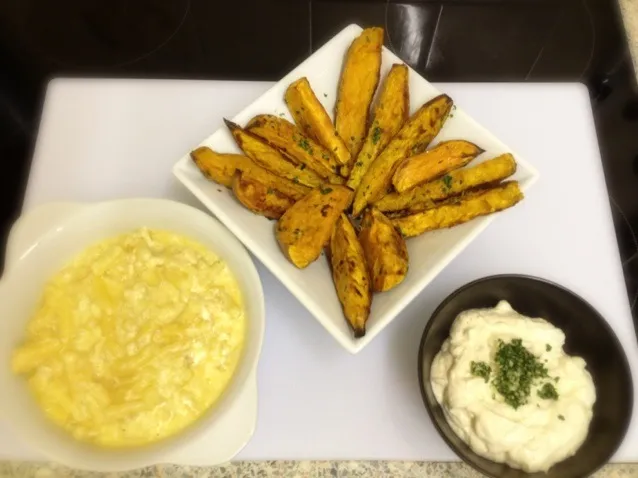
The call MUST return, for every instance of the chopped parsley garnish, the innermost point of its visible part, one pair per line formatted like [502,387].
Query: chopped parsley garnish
[359,164]
[271,191]
[325,190]
[447,180]
[548,348]
[303,144]
[548,392]
[481,369]
[560,417]
[295,180]
[325,95]
[325,156]
[517,369]
[376,135]
[302,166]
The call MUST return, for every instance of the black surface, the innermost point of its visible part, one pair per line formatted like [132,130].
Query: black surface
[587,335]
[452,40]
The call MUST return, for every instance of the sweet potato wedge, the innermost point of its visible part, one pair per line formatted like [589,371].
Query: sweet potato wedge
[350,275]
[390,113]
[218,167]
[456,182]
[301,149]
[221,168]
[433,163]
[282,186]
[312,118]
[359,79]
[385,250]
[460,209]
[259,198]
[269,158]
[306,227]
[414,137]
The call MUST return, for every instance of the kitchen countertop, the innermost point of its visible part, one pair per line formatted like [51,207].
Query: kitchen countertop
[629,10]
[287,469]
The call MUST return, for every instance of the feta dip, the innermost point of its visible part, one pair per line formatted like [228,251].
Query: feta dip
[510,392]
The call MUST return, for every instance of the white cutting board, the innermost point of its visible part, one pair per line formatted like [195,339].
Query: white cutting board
[103,139]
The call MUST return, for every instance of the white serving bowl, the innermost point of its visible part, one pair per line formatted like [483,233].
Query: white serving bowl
[429,253]
[40,243]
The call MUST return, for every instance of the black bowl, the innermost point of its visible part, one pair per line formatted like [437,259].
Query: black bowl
[587,335]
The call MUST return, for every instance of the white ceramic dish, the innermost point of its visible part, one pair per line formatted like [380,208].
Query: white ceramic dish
[45,238]
[429,253]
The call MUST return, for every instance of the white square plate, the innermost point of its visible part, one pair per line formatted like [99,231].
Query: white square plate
[313,286]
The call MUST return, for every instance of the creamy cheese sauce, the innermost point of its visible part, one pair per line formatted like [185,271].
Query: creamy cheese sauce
[534,436]
[134,339]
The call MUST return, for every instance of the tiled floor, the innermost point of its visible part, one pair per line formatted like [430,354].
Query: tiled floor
[453,40]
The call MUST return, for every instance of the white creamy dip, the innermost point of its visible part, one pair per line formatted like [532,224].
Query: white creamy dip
[537,434]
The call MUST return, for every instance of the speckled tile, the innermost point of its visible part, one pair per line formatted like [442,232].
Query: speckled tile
[405,469]
[50,470]
[618,470]
[227,470]
[285,469]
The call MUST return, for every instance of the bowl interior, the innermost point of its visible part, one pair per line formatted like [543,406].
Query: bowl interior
[587,335]
[22,286]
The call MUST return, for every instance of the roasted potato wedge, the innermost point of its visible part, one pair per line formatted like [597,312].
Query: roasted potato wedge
[390,113]
[269,158]
[218,167]
[350,275]
[460,209]
[385,250]
[273,182]
[301,149]
[259,198]
[306,227]
[359,79]
[433,163]
[454,183]
[413,138]
[221,168]
[312,118]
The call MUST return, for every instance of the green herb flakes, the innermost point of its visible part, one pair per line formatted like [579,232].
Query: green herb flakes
[481,369]
[516,370]
[548,392]
[548,348]
[447,180]
[303,144]
[560,417]
[376,135]
[325,190]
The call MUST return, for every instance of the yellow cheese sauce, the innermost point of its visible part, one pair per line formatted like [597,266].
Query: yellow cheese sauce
[134,339]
